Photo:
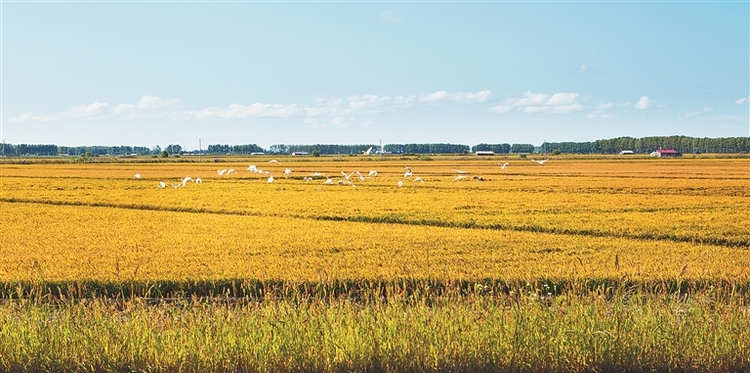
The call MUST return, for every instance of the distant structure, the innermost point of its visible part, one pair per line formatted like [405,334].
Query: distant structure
[626,152]
[298,154]
[659,153]
[484,152]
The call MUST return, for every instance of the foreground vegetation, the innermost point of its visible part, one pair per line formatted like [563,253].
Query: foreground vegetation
[583,265]
[612,330]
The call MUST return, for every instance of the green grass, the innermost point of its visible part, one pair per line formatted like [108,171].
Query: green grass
[523,330]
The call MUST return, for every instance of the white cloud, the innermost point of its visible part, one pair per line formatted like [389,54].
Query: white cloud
[31,118]
[583,69]
[643,103]
[533,103]
[256,110]
[389,16]
[696,113]
[499,109]
[458,97]
[92,111]
[742,101]
[154,103]
[559,99]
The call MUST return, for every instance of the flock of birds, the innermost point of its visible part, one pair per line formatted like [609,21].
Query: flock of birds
[347,179]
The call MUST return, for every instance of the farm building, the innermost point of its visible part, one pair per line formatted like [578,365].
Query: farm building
[666,153]
[627,152]
[484,152]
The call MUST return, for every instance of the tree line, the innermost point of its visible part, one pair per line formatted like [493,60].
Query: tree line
[684,144]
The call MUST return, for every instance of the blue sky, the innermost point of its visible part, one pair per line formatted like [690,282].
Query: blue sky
[160,73]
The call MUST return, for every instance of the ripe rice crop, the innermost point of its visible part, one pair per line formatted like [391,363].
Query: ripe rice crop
[300,275]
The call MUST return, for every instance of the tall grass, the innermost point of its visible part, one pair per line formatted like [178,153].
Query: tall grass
[522,331]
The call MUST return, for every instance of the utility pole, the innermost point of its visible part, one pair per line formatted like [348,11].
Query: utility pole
[200,150]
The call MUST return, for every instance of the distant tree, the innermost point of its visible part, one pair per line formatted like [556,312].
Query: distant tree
[164,154]
[173,149]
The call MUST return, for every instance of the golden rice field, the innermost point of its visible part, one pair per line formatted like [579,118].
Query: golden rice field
[641,219]
[577,265]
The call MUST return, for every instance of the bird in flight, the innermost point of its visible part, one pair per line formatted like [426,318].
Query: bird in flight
[137,176]
[540,162]
[502,166]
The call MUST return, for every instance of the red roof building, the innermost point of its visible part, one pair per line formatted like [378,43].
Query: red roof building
[666,153]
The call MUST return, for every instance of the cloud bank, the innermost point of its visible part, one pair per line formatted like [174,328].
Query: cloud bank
[340,110]
[533,103]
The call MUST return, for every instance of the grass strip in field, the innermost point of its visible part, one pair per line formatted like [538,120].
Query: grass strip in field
[367,290]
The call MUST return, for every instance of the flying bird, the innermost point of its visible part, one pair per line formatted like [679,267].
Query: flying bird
[185,180]
[418,178]
[459,177]
[161,185]
[328,181]
[138,176]
[230,171]
[373,173]
[253,168]
[273,161]
[400,183]
[502,166]
[288,171]
[270,179]
[198,180]
[221,172]
[540,162]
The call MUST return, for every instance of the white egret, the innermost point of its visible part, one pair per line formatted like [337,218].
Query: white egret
[138,176]
[252,168]
[418,178]
[373,173]
[270,179]
[198,180]
[400,183]
[328,181]
[459,177]
[230,171]
[162,185]
[540,162]
[273,161]
[288,171]
[408,174]
[221,172]
[361,178]
[502,166]
[186,179]
[176,185]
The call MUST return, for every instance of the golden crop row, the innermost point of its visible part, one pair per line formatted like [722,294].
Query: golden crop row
[49,242]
